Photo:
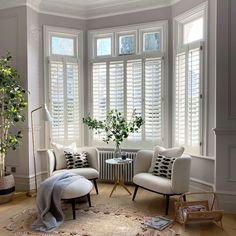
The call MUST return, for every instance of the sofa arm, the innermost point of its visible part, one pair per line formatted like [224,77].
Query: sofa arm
[51,161]
[143,161]
[181,174]
[93,156]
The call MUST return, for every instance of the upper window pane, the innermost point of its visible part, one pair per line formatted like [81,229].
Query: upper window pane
[62,46]
[193,31]
[126,44]
[151,41]
[104,46]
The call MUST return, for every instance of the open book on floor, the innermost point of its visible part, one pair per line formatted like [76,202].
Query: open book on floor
[157,222]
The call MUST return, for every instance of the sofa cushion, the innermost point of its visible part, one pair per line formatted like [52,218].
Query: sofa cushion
[76,160]
[154,183]
[88,173]
[78,188]
[59,154]
[163,166]
[170,152]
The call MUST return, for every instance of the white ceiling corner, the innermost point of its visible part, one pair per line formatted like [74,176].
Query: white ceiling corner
[87,9]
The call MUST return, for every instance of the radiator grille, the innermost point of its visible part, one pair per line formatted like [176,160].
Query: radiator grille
[107,172]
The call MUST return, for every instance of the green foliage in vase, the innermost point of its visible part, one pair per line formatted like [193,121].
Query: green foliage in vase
[12,107]
[117,128]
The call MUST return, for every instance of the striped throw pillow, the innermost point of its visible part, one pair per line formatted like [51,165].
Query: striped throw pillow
[163,166]
[76,160]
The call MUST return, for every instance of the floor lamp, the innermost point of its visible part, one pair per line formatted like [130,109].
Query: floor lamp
[46,116]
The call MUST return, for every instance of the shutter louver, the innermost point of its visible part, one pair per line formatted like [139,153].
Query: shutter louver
[153,99]
[57,101]
[187,100]
[64,89]
[180,99]
[194,99]
[72,102]
[134,92]
[116,83]
[99,93]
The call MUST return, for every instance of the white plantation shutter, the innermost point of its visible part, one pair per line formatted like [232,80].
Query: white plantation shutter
[72,110]
[64,101]
[180,99]
[153,99]
[99,93]
[194,72]
[134,92]
[188,100]
[57,100]
[116,86]
[132,84]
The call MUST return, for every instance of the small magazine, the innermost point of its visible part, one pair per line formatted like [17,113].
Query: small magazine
[157,222]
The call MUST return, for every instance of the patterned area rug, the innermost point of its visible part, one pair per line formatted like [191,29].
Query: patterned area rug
[101,220]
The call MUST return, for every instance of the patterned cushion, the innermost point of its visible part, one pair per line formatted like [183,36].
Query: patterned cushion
[76,160]
[163,166]
[170,152]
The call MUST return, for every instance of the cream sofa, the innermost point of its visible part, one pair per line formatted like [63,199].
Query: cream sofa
[178,184]
[91,173]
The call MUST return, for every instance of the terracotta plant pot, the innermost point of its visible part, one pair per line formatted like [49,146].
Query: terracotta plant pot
[7,188]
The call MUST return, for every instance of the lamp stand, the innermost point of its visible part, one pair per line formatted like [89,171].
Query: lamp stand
[30,194]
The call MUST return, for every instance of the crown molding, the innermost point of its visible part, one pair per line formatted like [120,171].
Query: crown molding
[88,10]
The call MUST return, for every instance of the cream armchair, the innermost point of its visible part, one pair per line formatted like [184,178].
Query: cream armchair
[178,184]
[91,173]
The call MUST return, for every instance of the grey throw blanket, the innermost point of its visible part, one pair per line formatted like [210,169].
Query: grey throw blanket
[49,201]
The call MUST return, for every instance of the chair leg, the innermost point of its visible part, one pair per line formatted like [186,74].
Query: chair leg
[167,203]
[89,200]
[95,185]
[135,192]
[184,197]
[73,208]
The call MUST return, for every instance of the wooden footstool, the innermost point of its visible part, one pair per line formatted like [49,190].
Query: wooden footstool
[79,188]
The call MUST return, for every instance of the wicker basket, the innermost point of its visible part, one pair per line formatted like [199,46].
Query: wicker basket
[197,211]
[7,188]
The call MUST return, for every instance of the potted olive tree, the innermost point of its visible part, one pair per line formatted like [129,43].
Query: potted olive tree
[12,105]
[117,128]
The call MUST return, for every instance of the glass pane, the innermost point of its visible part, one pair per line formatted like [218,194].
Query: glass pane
[193,31]
[104,46]
[62,46]
[151,41]
[126,44]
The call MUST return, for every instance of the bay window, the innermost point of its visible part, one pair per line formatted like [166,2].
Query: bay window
[127,72]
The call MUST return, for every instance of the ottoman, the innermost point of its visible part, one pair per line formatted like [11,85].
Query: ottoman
[79,188]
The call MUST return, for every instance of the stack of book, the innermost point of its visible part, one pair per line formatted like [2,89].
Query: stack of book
[157,222]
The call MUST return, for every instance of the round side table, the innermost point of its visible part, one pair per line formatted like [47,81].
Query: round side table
[119,164]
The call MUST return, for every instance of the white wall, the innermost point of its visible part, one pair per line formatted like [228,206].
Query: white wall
[225,178]
[13,38]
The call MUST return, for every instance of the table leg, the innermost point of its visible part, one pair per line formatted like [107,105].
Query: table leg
[119,180]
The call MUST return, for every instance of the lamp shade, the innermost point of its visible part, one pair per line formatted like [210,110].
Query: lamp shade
[46,116]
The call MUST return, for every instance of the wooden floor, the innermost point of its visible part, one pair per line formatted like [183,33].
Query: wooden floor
[149,203]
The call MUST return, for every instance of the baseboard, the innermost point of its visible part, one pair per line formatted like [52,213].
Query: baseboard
[197,185]
[226,201]
[26,183]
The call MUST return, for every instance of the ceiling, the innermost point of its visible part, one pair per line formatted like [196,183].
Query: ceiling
[88,9]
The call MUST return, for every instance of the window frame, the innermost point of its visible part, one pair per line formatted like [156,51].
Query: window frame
[77,35]
[161,26]
[117,42]
[178,47]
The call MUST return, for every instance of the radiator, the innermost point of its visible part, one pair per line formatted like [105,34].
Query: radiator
[106,170]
